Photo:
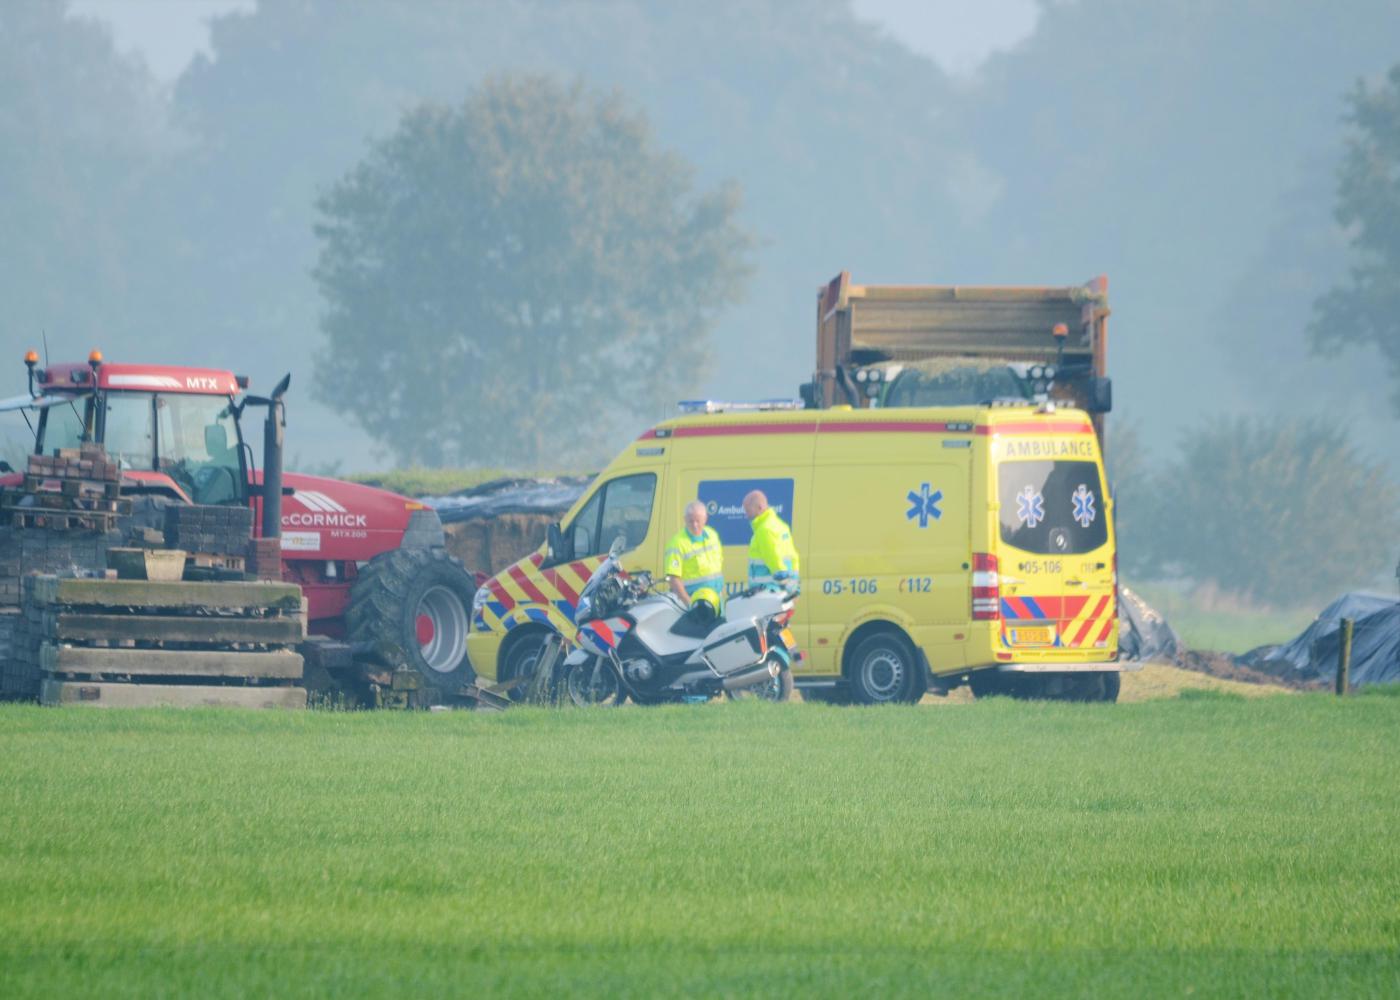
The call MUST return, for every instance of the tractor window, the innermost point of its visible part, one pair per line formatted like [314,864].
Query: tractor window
[954,386]
[129,433]
[63,426]
[199,446]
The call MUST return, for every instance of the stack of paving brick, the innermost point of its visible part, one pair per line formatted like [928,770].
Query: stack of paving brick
[79,488]
[141,643]
[9,621]
[26,551]
[215,537]
[265,558]
[19,676]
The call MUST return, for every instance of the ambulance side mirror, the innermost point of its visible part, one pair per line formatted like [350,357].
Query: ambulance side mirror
[554,544]
[1100,394]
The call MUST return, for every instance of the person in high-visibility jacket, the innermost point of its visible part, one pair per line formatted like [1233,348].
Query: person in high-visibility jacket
[694,558]
[772,554]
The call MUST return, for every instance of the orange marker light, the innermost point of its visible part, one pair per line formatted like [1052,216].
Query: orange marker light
[31,357]
[1060,330]
[95,357]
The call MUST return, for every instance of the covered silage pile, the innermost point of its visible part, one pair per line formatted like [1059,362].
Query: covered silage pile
[1312,655]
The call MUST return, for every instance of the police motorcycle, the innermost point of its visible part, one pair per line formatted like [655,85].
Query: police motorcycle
[636,640]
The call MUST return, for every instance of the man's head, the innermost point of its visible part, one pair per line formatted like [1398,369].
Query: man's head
[755,503]
[695,517]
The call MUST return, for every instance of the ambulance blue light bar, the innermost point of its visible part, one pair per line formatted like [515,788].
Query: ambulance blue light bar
[689,406]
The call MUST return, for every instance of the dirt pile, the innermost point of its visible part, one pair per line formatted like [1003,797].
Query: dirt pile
[1224,666]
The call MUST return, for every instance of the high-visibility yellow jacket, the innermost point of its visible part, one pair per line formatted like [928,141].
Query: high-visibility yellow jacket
[772,554]
[699,562]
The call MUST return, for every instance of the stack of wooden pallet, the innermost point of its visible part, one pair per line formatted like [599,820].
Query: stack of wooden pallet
[141,643]
[79,488]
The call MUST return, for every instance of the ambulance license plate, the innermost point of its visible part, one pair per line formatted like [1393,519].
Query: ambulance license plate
[1032,636]
[788,640]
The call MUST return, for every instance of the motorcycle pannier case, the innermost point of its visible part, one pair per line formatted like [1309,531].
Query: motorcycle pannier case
[734,651]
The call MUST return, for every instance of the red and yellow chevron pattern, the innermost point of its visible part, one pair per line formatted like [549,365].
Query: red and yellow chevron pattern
[1080,621]
[525,592]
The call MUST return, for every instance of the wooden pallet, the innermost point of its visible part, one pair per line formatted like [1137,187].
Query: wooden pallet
[99,694]
[261,597]
[60,502]
[61,520]
[86,661]
[82,626]
[98,489]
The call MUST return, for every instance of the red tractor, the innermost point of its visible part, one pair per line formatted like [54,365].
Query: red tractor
[372,564]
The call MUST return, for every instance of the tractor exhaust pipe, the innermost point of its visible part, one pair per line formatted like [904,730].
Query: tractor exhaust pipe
[761,674]
[274,431]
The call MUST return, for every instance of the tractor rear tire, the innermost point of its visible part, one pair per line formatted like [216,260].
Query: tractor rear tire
[413,608]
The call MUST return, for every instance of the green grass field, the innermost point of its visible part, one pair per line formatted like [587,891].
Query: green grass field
[1206,845]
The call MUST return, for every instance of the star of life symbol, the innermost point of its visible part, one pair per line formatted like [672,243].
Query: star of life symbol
[1030,506]
[924,505]
[1084,511]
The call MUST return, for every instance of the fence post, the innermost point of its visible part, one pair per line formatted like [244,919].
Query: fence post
[1344,657]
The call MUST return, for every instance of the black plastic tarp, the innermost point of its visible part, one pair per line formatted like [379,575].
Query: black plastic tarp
[1143,633]
[510,496]
[1375,648]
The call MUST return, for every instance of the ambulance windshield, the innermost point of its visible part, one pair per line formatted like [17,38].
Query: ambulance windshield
[1051,508]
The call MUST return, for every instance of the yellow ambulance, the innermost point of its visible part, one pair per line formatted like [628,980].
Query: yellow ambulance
[938,546]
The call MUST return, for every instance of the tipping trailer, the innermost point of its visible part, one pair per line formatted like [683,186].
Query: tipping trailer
[953,345]
[372,564]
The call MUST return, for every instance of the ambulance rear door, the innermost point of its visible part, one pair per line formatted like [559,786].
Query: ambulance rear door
[1055,550]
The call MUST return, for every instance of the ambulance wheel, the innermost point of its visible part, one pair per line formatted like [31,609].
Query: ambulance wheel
[1112,684]
[882,670]
[411,607]
[521,660]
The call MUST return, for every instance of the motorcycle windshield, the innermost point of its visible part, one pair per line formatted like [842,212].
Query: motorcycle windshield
[606,567]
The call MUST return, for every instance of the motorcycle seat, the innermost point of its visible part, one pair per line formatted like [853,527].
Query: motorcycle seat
[691,626]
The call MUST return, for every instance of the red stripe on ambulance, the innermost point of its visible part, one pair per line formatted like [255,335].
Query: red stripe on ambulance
[523,581]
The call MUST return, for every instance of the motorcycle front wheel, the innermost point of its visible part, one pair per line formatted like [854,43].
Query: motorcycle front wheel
[777,688]
[593,683]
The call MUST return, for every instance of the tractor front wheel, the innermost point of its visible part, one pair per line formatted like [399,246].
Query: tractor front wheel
[413,606]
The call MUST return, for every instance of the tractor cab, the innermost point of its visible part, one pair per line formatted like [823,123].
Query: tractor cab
[173,430]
